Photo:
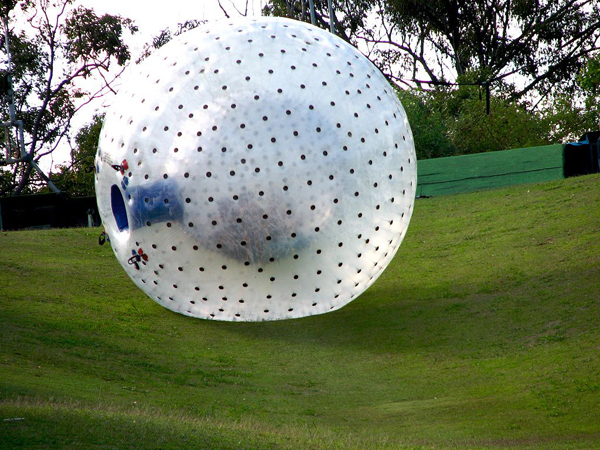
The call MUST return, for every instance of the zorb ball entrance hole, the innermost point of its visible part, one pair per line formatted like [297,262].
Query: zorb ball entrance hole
[255,170]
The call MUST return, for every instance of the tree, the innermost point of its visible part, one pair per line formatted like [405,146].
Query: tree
[77,178]
[589,78]
[349,16]
[509,124]
[63,45]
[544,42]
[533,46]
[450,121]
[428,123]
[568,117]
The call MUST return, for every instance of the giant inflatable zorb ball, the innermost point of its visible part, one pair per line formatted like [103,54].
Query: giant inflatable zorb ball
[255,170]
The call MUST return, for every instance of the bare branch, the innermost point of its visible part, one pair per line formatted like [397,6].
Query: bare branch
[223,9]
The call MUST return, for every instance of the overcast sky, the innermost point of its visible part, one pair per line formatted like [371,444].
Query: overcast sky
[152,19]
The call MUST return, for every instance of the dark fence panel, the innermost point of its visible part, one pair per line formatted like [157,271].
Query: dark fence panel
[47,211]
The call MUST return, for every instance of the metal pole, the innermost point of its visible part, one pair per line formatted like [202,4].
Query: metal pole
[331,19]
[313,18]
[11,103]
[20,143]
[44,177]
[25,157]
[21,138]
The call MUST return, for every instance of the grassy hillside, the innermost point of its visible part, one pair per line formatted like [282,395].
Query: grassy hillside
[483,333]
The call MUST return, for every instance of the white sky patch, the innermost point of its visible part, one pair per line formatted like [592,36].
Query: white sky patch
[151,18]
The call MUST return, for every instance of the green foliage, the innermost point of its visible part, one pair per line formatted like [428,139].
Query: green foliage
[447,122]
[589,78]
[92,38]
[428,125]
[481,334]
[568,118]
[508,125]
[77,179]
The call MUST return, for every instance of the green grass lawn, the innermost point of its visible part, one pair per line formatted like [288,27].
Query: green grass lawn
[483,333]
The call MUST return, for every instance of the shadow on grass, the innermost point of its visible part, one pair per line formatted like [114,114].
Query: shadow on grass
[463,319]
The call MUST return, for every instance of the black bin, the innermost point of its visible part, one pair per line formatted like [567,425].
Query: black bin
[583,157]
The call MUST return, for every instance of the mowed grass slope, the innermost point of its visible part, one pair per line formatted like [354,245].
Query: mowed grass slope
[482,333]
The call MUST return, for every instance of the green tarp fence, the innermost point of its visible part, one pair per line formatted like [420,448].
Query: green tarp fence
[466,173]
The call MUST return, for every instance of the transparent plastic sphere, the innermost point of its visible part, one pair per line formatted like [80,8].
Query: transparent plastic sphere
[255,170]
